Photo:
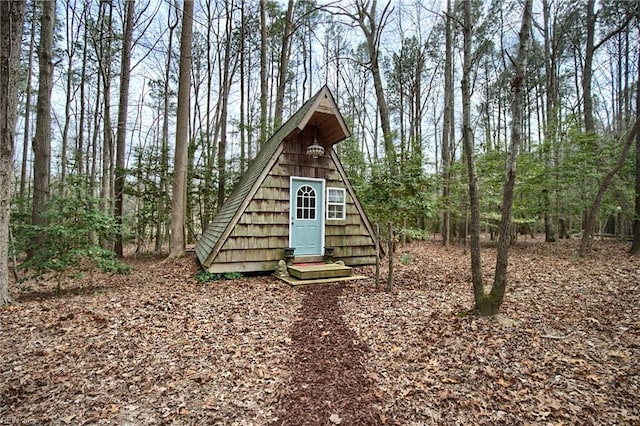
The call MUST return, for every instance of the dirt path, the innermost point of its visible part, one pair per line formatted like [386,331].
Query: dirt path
[329,384]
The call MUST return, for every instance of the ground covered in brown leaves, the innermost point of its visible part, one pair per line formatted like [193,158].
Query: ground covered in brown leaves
[157,347]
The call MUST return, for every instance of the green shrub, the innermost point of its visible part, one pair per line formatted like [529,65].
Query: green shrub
[414,234]
[203,276]
[407,197]
[69,242]
[232,275]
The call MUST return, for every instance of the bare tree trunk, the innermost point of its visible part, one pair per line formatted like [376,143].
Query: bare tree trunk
[447,122]
[208,151]
[591,47]
[178,204]
[164,148]
[372,26]
[121,137]
[550,121]
[490,304]
[93,172]
[390,246]
[378,256]
[264,89]
[93,168]
[589,124]
[417,112]
[225,89]
[11,19]
[401,103]
[577,65]
[595,207]
[467,138]
[42,138]
[27,107]
[250,109]
[242,126]
[70,92]
[635,246]
[106,36]
[83,76]
[285,53]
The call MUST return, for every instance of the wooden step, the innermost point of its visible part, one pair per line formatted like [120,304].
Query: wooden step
[319,271]
[309,259]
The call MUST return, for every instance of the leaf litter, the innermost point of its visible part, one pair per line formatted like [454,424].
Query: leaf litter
[154,347]
[563,350]
[157,347]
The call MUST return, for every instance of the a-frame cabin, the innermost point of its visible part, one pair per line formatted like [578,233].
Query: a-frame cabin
[294,194]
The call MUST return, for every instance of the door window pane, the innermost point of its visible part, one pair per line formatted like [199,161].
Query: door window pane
[306,203]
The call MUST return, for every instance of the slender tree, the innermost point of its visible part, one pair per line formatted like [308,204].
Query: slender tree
[635,246]
[447,122]
[209,148]
[105,56]
[179,189]
[121,135]
[589,121]
[264,88]
[372,25]
[172,23]
[241,125]
[551,106]
[591,47]
[27,106]
[42,138]
[11,19]
[283,68]
[79,155]
[227,71]
[467,140]
[606,181]
[490,304]
[72,34]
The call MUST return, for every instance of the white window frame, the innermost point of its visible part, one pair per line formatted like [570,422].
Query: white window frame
[333,203]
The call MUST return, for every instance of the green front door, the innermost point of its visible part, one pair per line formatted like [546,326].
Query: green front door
[307,214]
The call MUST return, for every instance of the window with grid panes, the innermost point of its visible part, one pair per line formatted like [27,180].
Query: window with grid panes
[336,208]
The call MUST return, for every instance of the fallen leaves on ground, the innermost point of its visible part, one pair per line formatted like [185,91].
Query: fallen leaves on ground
[156,347]
[563,350]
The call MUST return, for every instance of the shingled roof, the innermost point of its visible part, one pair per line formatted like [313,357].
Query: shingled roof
[319,107]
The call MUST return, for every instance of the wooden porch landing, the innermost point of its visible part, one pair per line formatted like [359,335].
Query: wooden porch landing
[311,271]
[318,273]
[295,282]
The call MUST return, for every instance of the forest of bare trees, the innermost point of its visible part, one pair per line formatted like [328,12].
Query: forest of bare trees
[122,130]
